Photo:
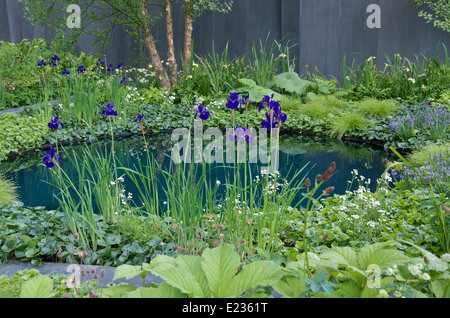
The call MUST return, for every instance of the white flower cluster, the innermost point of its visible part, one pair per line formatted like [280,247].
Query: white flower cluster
[133,95]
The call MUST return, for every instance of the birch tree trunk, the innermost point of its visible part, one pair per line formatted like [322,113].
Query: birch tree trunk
[188,29]
[170,47]
[154,55]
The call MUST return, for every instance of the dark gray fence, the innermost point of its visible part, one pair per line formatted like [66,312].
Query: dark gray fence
[324,31]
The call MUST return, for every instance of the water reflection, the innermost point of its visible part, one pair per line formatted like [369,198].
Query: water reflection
[295,151]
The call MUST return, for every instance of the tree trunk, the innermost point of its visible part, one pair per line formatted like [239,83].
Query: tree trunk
[170,46]
[188,28]
[154,55]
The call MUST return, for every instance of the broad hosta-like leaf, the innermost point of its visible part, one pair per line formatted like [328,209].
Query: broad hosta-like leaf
[164,290]
[256,93]
[292,285]
[127,271]
[291,82]
[258,273]
[37,287]
[185,274]
[378,254]
[220,265]
[339,256]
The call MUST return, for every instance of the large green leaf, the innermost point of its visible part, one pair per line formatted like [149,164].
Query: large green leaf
[377,254]
[37,287]
[127,271]
[164,290]
[256,92]
[441,288]
[184,273]
[255,274]
[117,291]
[291,82]
[339,256]
[292,285]
[220,264]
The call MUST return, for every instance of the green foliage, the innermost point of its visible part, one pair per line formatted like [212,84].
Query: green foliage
[321,106]
[377,108]
[37,287]
[216,273]
[19,133]
[8,191]
[348,123]
[435,12]
[33,234]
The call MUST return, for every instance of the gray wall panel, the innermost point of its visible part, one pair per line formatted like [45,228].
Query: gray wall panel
[324,31]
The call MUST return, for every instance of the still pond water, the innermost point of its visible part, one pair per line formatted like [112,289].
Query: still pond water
[35,187]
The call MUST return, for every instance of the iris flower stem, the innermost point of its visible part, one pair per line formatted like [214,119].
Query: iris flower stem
[305,225]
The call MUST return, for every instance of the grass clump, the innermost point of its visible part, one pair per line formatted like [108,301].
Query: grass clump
[373,107]
[321,106]
[421,156]
[347,123]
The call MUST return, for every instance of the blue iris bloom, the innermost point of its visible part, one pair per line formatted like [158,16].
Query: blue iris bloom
[277,114]
[119,65]
[269,124]
[139,117]
[66,72]
[42,63]
[109,110]
[54,59]
[233,101]
[49,158]
[202,112]
[124,80]
[81,69]
[54,123]
[241,133]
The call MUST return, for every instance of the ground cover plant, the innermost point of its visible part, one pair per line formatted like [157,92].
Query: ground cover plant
[390,242]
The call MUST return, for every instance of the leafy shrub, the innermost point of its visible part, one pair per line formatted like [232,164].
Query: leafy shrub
[19,133]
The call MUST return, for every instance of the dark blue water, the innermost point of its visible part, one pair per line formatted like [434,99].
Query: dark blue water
[296,151]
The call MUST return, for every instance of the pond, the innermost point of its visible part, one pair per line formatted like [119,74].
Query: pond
[35,186]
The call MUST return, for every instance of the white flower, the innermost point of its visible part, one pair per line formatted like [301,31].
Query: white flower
[383,293]
[412,80]
[446,257]
[389,271]
[414,269]
[218,182]
[426,276]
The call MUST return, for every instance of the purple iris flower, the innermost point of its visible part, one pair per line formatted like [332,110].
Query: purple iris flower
[269,124]
[241,133]
[54,59]
[81,69]
[66,72]
[100,62]
[49,158]
[124,80]
[119,65]
[42,63]
[109,110]
[277,114]
[110,68]
[233,101]
[202,112]
[139,117]
[54,123]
